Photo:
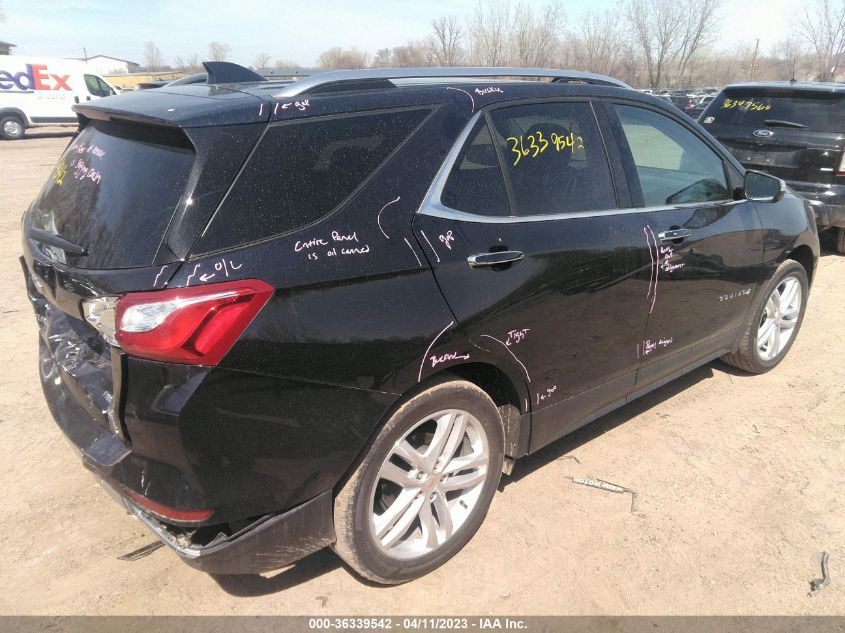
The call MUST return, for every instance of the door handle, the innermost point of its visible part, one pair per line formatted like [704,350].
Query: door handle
[675,234]
[491,259]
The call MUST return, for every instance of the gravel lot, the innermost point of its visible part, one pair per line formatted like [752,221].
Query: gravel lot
[741,483]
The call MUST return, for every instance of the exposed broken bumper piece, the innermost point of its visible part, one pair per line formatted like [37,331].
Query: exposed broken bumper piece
[268,543]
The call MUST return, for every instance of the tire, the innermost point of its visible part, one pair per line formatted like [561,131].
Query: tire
[759,350]
[840,240]
[415,541]
[11,127]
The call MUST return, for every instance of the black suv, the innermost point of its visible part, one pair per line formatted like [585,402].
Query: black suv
[279,317]
[792,130]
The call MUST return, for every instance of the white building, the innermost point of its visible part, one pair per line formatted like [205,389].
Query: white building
[105,65]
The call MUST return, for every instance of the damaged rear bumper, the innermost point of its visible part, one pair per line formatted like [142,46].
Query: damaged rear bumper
[267,543]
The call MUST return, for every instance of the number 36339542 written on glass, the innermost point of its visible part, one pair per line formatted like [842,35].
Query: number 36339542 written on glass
[534,145]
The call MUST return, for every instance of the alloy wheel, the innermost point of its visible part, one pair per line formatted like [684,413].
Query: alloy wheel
[779,318]
[429,484]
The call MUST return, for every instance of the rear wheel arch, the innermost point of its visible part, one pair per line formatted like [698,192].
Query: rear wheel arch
[509,399]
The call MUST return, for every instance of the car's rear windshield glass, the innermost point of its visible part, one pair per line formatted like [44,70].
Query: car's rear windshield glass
[302,171]
[749,107]
[113,193]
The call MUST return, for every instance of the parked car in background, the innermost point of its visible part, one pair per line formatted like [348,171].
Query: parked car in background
[699,107]
[685,103]
[38,91]
[792,130]
[456,269]
[196,78]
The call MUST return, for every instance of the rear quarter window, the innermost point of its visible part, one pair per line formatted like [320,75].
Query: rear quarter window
[475,184]
[302,171]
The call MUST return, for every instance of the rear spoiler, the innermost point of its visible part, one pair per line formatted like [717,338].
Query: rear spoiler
[188,106]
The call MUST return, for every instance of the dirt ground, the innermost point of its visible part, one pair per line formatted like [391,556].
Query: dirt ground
[741,483]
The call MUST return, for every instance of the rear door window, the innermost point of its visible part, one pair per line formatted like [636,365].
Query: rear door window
[113,192]
[674,165]
[758,108]
[554,158]
[301,171]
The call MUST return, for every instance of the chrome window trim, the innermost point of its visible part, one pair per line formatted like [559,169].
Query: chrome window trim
[438,210]
[433,207]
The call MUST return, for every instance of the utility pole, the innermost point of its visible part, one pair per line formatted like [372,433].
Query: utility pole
[754,59]
[84,53]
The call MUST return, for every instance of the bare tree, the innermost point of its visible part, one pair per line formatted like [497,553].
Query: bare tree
[787,56]
[188,64]
[669,34]
[286,63]
[699,30]
[261,60]
[382,58]
[598,45]
[822,25]
[414,54]
[490,31]
[218,51]
[604,42]
[193,63]
[2,15]
[534,37]
[655,27]
[338,57]
[446,41]
[153,59]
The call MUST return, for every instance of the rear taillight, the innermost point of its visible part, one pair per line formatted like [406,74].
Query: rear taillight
[166,512]
[195,325]
[841,170]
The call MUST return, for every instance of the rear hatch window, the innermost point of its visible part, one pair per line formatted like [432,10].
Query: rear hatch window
[113,192]
[777,107]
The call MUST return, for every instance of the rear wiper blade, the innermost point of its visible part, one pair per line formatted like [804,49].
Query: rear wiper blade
[45,237]
[781,123]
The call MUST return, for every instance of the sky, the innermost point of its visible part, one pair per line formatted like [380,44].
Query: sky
[295,30]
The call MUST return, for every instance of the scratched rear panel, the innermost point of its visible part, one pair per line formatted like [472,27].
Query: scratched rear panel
[113,193]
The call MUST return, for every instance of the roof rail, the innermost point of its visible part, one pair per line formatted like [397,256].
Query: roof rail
[342,80]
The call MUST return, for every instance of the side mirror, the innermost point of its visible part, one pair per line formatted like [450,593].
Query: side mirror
[760,187]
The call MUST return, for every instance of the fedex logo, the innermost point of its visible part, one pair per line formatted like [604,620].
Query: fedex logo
[35,77]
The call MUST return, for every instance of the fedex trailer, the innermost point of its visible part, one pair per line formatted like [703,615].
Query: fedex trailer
[36,91]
